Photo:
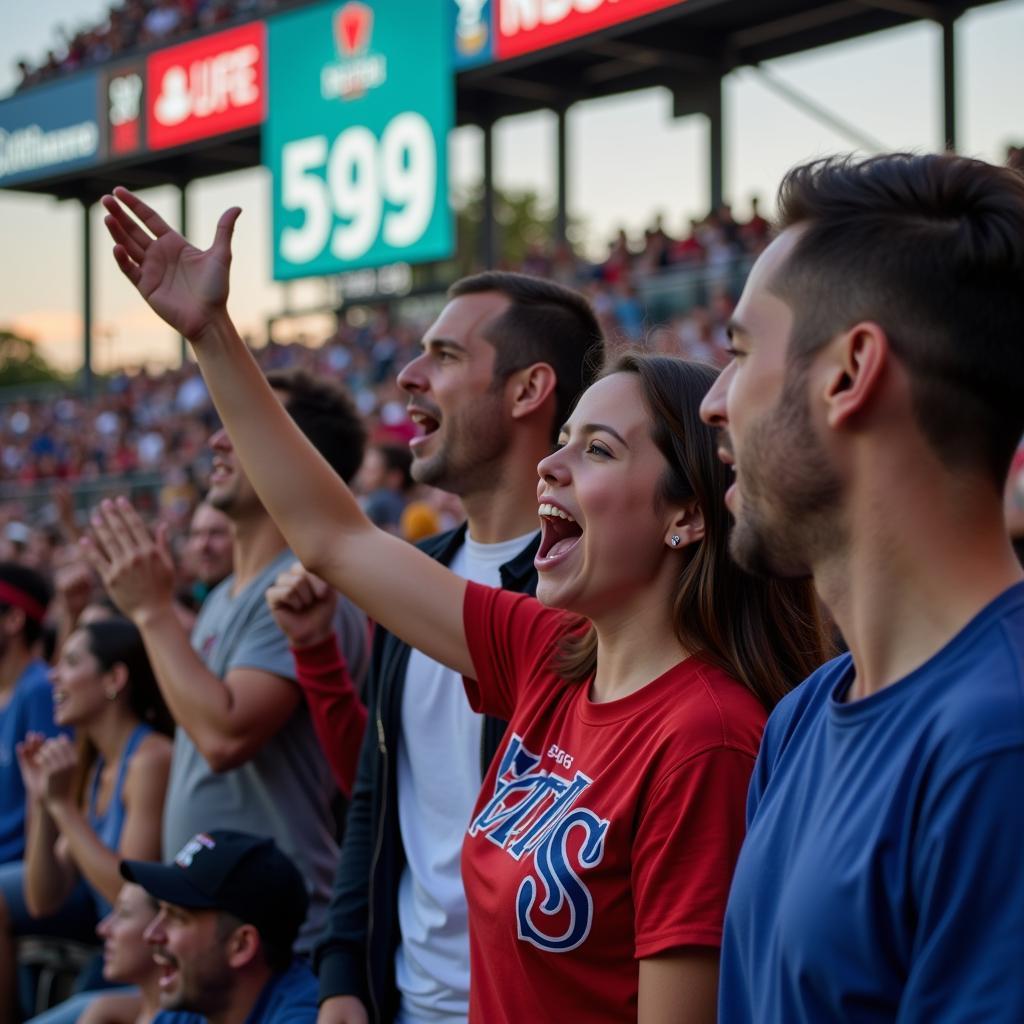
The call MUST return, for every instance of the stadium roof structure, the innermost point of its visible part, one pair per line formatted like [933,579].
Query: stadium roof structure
[686,46]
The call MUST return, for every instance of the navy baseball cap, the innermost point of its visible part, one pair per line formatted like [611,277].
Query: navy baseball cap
[243,874]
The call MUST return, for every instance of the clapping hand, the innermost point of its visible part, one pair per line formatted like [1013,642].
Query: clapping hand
[135,566]
[48,767]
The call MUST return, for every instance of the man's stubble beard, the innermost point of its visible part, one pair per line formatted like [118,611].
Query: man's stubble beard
[469,458]
[788,515]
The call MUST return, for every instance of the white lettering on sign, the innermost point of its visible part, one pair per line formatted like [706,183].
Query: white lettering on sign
[125,94]
[524,15]
[354,77]
[359,188]
[26,149]
[208,86]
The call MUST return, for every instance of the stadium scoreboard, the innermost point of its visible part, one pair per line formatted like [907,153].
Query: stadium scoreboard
[353,101]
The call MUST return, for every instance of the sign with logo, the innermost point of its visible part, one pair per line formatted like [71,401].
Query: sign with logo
[528,25]
[473,32]
[356,139]
[49,130]
[211,86]
[124,100]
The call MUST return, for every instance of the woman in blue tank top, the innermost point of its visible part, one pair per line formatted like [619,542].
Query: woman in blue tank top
[99,803]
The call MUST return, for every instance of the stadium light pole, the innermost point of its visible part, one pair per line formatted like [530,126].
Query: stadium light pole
[949,82]
[561,177]
[488,229]
[87,376]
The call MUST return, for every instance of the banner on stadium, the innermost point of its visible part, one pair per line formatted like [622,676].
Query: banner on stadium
[49,130]
[211,86]
[523,26]
[356,138]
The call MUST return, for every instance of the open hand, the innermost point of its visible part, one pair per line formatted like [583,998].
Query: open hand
[303,606]
[136,567]
[186,286]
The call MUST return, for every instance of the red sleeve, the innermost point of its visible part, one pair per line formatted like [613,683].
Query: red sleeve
[685,850]
[339,716]
[510,638]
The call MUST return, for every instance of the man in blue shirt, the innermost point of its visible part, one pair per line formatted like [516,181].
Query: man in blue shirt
[26,698]
[231,905]
[871,411]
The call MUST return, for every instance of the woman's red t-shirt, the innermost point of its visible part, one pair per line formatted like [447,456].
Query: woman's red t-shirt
[604,833]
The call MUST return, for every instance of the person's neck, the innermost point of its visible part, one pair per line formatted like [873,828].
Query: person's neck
[507,510]
[258,542]
[921,564]
[149,1000]
[636,643]
[246,990]
[111,730]
[13,663]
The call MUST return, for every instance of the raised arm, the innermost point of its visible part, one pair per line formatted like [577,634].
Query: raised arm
[408,592]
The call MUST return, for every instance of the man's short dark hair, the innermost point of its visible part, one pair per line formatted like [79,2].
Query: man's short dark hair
[325,413]
[545,323]
[36,587]
[931,248]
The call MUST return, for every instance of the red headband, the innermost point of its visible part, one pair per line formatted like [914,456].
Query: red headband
[16,598]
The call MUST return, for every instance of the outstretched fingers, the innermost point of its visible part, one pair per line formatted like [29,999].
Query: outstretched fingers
[145,213]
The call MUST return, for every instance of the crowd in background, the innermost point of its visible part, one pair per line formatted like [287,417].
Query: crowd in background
[134,25]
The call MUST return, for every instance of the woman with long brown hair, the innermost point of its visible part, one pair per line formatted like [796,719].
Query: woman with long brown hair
[599,856]
[99,799]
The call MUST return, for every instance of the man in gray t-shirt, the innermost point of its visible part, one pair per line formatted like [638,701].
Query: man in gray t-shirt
[245,753]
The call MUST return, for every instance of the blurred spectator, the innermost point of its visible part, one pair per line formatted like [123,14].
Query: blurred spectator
[230,908]
[93,804]
[384,481]
[209,552]
[245,752]
[26,700]
[127,960]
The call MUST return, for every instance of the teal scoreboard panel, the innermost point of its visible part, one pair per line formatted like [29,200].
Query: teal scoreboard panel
[361,103]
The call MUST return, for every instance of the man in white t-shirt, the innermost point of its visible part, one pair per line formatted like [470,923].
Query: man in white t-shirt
[396,947]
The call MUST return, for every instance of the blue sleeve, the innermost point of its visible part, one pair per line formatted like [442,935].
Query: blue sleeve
[38,712]
[969,898]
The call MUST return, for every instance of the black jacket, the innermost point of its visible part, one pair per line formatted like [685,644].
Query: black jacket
[356,953]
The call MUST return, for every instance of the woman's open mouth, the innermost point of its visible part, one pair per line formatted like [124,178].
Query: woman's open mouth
[560,533]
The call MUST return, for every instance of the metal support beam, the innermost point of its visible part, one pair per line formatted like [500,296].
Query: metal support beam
[949,83]
[861,139]
[488,224]
[87,376]
[561,178]
[716,145]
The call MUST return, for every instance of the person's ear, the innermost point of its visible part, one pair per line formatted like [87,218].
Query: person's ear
[116,680]
[529,388]
[860,358]
[686,527]
[242,945]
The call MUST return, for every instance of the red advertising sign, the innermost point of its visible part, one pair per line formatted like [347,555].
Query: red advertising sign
[207,87]
[528,25]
